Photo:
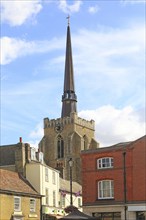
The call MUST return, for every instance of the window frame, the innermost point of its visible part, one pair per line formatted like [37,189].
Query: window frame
[33,205]
[105,215]
[47,196]
[63,203]
[104,188]
[102,163]
[79,202]
[53,177]
[54,198]
[17,203]
[46,174]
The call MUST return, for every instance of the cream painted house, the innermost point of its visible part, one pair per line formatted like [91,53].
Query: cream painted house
[55,191]
[45,180]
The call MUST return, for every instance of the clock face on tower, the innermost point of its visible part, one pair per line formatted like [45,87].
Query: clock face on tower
[58,127]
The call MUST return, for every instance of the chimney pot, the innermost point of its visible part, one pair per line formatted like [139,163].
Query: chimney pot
[20,139]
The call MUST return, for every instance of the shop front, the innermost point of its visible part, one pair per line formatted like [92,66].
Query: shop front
[50,213]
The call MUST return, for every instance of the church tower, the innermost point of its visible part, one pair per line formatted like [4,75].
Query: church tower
[65,137]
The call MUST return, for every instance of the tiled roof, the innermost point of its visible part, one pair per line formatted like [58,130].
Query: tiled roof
[114,147]
[109,148]
[65,186]
[15,183]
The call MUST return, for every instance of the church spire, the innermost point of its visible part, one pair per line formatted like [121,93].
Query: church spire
[69,97]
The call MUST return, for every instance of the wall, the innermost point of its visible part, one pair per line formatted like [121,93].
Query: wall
[14,157]
[35,174]
[7,207]
[73,132]
[90,171]
[135,165]
[135,160]
[139,170]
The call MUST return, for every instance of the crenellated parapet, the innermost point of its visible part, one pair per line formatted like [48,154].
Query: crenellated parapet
[73,119]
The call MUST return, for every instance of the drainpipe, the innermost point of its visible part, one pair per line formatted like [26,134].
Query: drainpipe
[125,190]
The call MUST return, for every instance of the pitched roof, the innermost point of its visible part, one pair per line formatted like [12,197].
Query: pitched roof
[12,182]
[114,147]
[65,186]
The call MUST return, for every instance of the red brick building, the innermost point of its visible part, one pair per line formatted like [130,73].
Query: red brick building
[114,181]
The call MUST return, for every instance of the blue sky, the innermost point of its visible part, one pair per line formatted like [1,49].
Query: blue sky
[108,45]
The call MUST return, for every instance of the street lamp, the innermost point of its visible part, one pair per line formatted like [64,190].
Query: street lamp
[70,166]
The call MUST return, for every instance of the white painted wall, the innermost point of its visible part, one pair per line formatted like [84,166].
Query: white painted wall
[35,174]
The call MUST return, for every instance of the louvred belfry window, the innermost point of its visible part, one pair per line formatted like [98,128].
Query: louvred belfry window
[60,147]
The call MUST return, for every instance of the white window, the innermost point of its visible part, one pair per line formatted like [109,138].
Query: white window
[46,174]
[105,162]
[47,196]
[53,178]
[41,156]
[106,189]
[32,205]
[33,154]
[17,203]
[79,202]
[54,198]
[63,201]
[18,218]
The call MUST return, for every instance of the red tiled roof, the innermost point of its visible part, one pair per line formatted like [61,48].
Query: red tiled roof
[14,182]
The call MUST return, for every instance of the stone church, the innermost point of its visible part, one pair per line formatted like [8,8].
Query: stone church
[65,137]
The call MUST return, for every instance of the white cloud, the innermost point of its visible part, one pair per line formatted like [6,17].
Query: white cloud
[93,9]
[69,8]
[36,135]
[106,45]
[114,125]
[125,2]
[16,13]
[12,48]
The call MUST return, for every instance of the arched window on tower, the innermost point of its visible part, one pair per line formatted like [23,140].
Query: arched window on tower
[60,147]
[85,142]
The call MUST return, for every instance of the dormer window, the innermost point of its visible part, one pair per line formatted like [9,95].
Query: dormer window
[33,153]
[105,162]
[41,156]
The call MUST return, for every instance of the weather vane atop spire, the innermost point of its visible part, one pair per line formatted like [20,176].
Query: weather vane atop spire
[68,18]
